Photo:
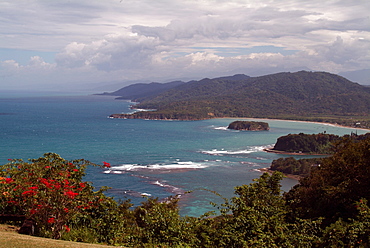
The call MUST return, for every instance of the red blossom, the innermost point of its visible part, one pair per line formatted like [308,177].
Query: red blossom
[46,183]
[67,228]
[29,192]
[33,211]
[47,167]
[34,187]
[66,210]
[9,180]
[71,194]
[51,220]
[75,170]
[106,164]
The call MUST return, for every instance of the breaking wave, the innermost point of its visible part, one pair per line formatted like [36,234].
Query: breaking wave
[178,165]
[223,152]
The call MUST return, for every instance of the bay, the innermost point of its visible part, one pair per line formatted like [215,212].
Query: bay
[148,157]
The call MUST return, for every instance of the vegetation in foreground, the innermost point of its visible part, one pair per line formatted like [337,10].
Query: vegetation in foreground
[9,238]
[329,208]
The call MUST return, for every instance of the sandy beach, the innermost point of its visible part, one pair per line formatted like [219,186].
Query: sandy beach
[317,122]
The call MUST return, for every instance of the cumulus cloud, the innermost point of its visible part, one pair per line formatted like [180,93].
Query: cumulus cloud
[114,52]
[102,41]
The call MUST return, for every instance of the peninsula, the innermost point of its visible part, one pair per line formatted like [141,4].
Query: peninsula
[303,95]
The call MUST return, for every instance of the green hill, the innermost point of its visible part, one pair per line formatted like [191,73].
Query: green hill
[138,91]
[282,95]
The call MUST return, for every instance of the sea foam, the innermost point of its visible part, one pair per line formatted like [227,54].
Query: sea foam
[178,165]
[222,152]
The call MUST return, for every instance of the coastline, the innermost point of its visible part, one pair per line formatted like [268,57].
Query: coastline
[316,122]
[291,176]
[294,153]
[160,117]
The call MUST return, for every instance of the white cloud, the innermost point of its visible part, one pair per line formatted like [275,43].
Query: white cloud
[101,41]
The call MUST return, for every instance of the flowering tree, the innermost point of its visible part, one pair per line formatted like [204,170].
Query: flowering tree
[48,190]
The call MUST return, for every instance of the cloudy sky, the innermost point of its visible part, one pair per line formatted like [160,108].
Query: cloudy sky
[81,44]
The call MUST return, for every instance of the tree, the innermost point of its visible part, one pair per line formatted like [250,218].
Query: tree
[48,190]
[332,188]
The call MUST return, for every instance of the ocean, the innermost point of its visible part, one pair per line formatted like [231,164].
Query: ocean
[149,158]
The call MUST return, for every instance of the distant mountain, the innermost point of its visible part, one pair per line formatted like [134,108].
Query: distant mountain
[359,76]
[281,95]
[138,91]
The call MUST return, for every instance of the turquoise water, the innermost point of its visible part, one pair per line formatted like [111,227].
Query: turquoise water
[154,158]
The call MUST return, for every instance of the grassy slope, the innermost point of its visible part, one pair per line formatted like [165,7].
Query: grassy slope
[9,238]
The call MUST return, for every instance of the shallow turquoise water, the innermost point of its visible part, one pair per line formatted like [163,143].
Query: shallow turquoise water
[156,158]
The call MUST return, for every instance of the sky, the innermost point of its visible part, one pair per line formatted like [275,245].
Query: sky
[99,44]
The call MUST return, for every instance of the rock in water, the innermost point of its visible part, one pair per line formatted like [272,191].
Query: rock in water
[249,126]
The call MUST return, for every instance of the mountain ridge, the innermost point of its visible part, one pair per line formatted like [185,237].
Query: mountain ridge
[280,95]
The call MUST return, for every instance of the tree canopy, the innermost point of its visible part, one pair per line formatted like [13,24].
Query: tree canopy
[328,208]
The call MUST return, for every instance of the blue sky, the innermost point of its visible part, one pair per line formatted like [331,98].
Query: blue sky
[79,45]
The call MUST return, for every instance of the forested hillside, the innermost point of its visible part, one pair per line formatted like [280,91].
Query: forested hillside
[318,96]
[135,92]
[321,143]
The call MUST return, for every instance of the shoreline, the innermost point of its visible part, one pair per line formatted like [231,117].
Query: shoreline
[131,116]
[291,176]
[316,122]
[294,153]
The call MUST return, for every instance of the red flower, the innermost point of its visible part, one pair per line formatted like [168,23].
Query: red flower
[75,170]
[66,210]
[51,220]
[67,228]
[46,183]
[33,211]
[71,194]
[29,192]
[47,167]
[9,180]
[34,187]
[106,164]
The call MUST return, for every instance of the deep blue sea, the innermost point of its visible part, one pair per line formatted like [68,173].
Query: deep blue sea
[148,157]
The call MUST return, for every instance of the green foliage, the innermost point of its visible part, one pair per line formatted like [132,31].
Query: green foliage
[329,208]
[249,125]
[301,167]
[332,188]
[282,95]
[306,143]
[160,222]
[48,190]
[351,233]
